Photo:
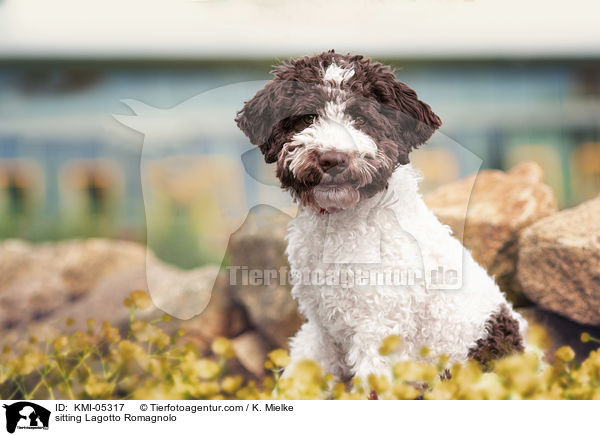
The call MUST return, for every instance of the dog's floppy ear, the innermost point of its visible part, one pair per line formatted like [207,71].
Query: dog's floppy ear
[425,120]
[414,119]
[258,117]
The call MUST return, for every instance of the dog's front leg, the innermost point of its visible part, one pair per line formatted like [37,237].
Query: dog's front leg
[364,357]
[313,343]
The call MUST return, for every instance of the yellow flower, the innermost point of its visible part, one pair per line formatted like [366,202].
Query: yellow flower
[223,347]
[140,299]
[279,357]
[160,339]
[306,382]
[565,353]
[60,343]
[403,391]
[441,391]
[307,371]
[207,388]
[230,384]
[97,388]
[132,352]
[389,344]
[29,362]
[268,383]
[586,337]
[488,387]
[519,374]
[155,367]
[466,374]
[338,390]
[380,383]
[415,371]
[110,334]
[207,369]
[443,360]
[80,340]
[147,332]
[538,337]
[247,393]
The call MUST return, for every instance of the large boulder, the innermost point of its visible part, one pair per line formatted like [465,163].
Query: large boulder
[559,263]
[43,284]
[487,212]
[39,279]
[256,250]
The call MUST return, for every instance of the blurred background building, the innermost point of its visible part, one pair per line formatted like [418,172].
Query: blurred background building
[507,90]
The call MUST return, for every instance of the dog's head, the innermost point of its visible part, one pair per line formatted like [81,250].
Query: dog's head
[337,126]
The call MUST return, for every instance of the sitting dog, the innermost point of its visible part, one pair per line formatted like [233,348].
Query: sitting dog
[340,129]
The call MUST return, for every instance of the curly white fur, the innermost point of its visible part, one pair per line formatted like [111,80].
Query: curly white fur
[394,230]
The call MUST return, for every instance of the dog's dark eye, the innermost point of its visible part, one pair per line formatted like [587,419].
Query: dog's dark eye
[309,119]
[360,121]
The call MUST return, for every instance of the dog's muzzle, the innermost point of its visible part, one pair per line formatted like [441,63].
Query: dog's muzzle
[334,162]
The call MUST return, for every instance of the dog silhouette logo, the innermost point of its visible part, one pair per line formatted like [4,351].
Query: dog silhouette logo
[26,415]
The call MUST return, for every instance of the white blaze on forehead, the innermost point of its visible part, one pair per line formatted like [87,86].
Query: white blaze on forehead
[335,130]
[335,75]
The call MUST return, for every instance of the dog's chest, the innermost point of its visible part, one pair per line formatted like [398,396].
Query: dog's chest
[336,258]
[318,242]
[370,236]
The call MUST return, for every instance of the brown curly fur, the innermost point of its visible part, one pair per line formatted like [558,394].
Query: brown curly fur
[502,339]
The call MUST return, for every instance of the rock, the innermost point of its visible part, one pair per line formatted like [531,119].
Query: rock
[259,245]
[39,279]
[78,263]
[90,279]
[251,351]
[559,263]
[220,317]
[487,212]
[105,303]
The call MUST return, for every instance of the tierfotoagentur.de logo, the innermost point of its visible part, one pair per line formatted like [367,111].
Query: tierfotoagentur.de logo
[24,415]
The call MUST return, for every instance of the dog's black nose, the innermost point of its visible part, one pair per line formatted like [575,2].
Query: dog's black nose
[333,161]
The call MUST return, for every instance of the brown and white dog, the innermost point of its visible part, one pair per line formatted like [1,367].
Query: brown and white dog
[340,129]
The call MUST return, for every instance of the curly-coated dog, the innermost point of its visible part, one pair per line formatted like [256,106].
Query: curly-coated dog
[369,259]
